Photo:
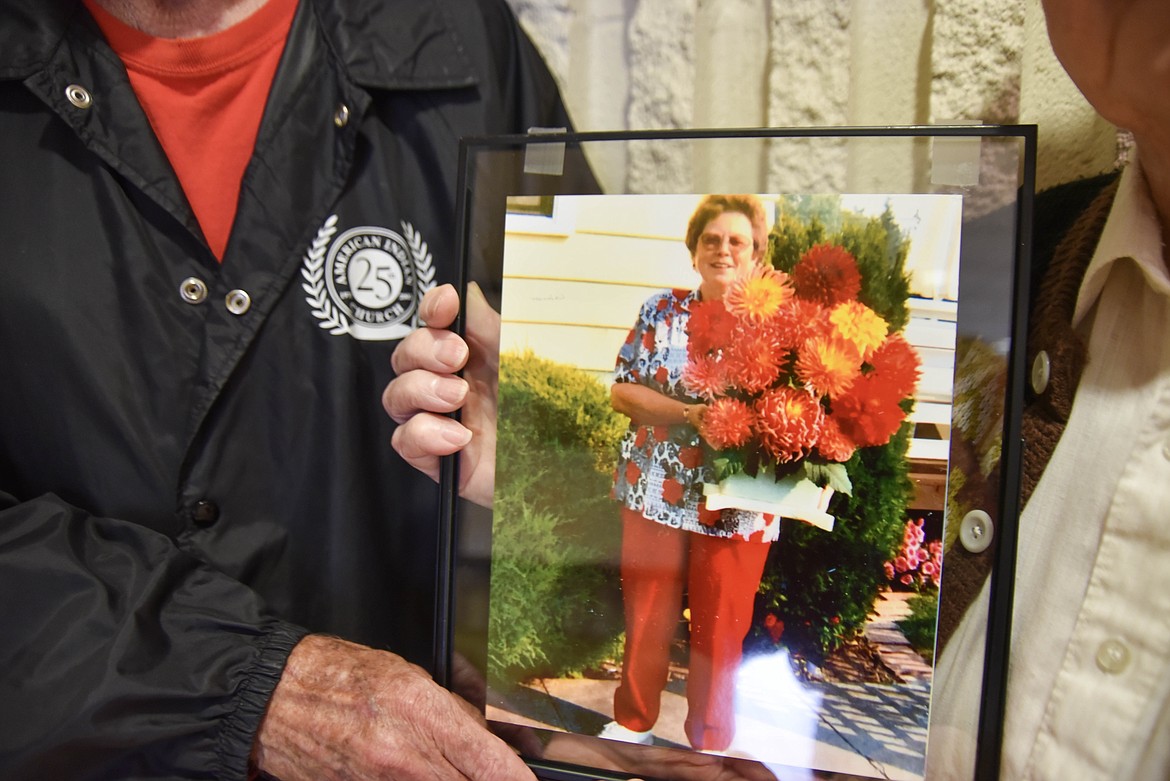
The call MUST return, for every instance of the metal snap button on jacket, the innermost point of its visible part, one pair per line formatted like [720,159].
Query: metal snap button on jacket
[238,302]
[78,95]
[193,290]
[341,118]
[976,531]
[205,513]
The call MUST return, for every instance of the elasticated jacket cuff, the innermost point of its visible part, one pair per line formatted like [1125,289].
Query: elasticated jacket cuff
[238,733]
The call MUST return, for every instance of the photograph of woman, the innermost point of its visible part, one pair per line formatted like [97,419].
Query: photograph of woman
[671,543]
[635,593]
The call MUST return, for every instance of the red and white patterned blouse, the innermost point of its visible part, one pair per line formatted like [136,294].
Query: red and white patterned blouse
[661,469]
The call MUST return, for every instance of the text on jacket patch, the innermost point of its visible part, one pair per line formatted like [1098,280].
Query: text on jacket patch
[367,281]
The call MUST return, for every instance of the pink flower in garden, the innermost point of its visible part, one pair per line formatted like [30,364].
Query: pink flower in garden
[917,563]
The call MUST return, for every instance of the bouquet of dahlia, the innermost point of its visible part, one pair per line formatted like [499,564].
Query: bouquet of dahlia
[797,372]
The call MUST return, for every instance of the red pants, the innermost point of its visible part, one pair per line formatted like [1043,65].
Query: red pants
[721,577]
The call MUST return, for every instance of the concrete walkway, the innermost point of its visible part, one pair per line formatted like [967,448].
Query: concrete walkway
[865,729]
[883,634]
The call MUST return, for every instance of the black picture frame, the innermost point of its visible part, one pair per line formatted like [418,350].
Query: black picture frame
[990,167]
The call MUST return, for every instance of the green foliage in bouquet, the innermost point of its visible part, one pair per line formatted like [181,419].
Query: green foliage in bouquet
[555,607]
[820,585]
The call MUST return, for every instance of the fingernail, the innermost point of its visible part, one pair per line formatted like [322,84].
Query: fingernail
[426,307]
[456,435]
[452,352]
[450,389]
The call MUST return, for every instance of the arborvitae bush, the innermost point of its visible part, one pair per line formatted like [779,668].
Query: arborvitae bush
[555,604]
[822,585]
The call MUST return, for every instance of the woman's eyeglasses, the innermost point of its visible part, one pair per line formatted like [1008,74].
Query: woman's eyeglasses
[713,242]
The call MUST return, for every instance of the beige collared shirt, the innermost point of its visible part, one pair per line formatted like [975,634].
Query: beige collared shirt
[1089,676]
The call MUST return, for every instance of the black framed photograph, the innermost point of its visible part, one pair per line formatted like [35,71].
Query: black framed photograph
[742,440]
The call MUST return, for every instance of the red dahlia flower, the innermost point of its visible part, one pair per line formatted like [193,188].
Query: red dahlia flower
[869,413]
[827,273]
[709,327]
[704,377]
[897,363]
[832,444]
[728,423]
[752,360]
[798,322]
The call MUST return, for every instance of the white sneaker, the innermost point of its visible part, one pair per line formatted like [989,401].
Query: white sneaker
[615,731]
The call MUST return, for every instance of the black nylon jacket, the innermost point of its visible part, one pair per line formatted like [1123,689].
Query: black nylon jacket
[186,490]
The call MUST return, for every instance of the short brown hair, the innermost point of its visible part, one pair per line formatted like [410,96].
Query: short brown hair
[713,205]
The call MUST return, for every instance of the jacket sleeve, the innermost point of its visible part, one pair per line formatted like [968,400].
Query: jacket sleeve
[123,656]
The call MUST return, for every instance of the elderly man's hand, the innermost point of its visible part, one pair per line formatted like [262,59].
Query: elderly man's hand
[346,711]
[427,389]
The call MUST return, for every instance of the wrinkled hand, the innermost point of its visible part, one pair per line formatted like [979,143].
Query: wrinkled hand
[344,711]
[659,762]
[427,389]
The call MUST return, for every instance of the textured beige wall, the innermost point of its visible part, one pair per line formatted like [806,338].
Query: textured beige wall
[724,63]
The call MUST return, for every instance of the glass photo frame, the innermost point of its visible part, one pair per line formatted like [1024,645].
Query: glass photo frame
[866,388]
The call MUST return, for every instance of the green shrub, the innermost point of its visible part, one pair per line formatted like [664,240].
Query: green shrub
[822,585]
[555,604]
[919,626]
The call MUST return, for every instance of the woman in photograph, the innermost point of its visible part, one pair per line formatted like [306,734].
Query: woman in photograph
[671,542]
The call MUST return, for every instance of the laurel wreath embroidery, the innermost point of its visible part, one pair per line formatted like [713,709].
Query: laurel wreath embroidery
[424,272]
[314,273]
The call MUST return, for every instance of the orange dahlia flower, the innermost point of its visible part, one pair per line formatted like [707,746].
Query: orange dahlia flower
[788,421]
[759,294]
[828,365]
